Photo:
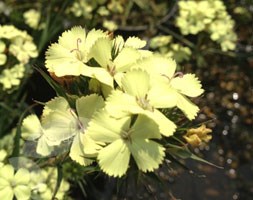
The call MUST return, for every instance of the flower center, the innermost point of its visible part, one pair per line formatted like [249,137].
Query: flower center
[126,135]
[111,69]
[77,50]
[13,183]
[79,125]
[144,103]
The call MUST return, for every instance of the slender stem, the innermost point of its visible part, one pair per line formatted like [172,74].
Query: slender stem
[81,186]
[133,28]
[178,140]
[217,51]
[179,37]
[16,150]
[59,180]
[169,15]
[127,11]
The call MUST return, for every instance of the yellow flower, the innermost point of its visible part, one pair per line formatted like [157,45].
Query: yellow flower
[21,44]
[10,32]
[3,57]
[173,85]
[43,184]
[159,41]
[32,18]
[69,56]
[123,141]
[14,184]
[209,16]
[198,136]
[12,77]
[23,49]
[110,25]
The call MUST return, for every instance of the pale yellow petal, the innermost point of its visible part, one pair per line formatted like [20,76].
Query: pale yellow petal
[188,108]
[87,105]
[22,177]
[145,128]
[136,83]
[7,172]
[114,158]
[31,128]
[43,146]
[166,126]
[147,154]
[161,95]
[73,38]
[188,85]
[119,104]
[63,62]
[77,153]
[101,52]
[125,59]
[104,128]
[102,75]
[157,65]
[6,193]
[135,42]
[92,37]
[22,192]
[90,147]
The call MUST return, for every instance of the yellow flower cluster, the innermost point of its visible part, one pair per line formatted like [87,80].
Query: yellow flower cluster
[25,184]
[84,8]
[14,183]
[12,77]
[32,18]
[16,49]
[26,180]
[210,16]
[43,184]
[135,86]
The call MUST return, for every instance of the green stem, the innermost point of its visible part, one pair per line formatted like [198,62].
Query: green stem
[177,36]
[178,140]
[81,186]
[127,11]
[59,180]
[16,149]
[217,51]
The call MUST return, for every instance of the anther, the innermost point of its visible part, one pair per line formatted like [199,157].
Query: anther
[178,74]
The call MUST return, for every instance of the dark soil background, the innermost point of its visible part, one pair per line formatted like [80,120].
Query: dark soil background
[229,101]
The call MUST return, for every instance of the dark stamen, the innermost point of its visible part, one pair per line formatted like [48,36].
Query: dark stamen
[178,74]
[111,70]
[79,123]
[77,45]
[126,135]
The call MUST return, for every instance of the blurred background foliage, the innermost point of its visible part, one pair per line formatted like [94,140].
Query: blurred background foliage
[226,75]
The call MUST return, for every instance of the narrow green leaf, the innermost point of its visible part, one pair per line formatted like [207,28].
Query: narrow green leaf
[184,153]
[81,186]
[59,180]
[56,87]
[16,148]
